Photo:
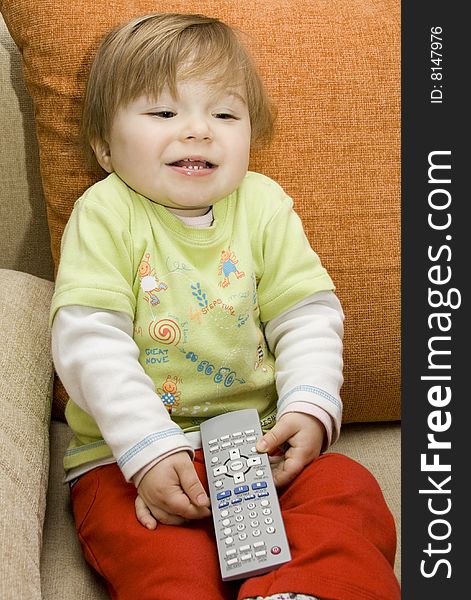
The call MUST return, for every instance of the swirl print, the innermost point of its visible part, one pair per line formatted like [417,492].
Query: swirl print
[165,332]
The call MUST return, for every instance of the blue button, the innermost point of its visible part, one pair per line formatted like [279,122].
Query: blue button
[249,497]
[258,485]
[262,494]
[224,494]
[223,504]
[236,501]
[241,489]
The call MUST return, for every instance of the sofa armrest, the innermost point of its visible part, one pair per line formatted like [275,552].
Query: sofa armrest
[26,376]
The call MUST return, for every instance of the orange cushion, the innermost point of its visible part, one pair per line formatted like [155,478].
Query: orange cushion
[333,70]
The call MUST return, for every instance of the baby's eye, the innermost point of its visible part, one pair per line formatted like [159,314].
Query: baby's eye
[225,116]
[163,114]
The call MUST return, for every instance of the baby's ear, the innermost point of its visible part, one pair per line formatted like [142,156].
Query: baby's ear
[103,155]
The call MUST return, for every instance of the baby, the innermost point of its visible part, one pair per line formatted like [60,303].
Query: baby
[187,289]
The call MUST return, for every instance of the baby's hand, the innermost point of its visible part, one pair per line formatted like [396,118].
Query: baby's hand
[304,434]
[170,492]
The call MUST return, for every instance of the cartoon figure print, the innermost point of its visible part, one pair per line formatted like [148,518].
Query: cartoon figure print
[150,284]
[227,265]
[169,393]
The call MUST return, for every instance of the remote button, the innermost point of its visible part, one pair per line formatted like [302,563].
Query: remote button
[255,460]
[221,470]
[241,489]
[258,485]
[234,454]
[237,465]
[239,478]
[232,561]
[224,494]
[275,550]
[260,553]
[229,540]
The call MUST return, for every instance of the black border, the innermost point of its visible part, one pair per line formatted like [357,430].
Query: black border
[429,127]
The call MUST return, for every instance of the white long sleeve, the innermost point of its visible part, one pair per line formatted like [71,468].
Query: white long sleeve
[97,360]
[307,344]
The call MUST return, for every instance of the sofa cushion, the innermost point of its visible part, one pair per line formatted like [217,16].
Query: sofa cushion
[25,402]
[24,235]
[332,68]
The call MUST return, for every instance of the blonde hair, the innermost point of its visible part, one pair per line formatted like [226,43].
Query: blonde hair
[151,52]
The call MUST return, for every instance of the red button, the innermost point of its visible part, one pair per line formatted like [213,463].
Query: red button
[275,550]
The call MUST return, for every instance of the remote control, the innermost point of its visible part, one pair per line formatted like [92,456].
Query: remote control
[248,524]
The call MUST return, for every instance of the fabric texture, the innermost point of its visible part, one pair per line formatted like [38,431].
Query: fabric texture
[23,227]
[340,550]
[25,392]
[334,74]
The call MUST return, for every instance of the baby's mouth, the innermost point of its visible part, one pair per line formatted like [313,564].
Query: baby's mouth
[192,164]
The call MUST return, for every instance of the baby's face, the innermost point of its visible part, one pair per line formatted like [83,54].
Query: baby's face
[185,153]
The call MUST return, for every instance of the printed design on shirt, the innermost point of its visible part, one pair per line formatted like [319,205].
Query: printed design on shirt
[199,295]
[207,306]
[222,375]
[156,356]
[165,331]
[150,283]
[228,265]
[169,393]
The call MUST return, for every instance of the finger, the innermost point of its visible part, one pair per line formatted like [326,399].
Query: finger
[143,514]
[178,503]
[166,518]
[276,437]
[286,470]
[193,487]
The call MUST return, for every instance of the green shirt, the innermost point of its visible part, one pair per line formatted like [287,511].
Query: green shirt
[197,297]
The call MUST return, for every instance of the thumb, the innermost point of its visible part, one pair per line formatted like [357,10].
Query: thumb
[273,438]
[193,487]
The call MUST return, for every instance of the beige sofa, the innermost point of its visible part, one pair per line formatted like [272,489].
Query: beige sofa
[40,556]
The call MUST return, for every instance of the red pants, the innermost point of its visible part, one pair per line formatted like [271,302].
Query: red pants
[341,535]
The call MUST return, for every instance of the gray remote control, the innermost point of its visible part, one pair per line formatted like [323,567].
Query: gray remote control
[248,524]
